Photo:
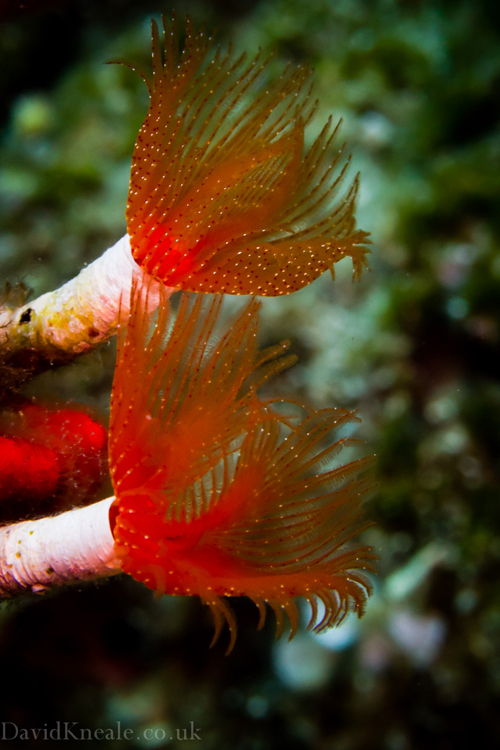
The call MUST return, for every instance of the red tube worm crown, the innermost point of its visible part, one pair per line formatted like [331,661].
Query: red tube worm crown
[214,496]
[224,196]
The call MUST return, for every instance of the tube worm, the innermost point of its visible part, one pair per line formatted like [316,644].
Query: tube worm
[224,196]
[68,548]
[72,320]
[194,397]
[214,495]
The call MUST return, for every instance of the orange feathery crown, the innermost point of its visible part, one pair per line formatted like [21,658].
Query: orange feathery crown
[215,496]
[224,196]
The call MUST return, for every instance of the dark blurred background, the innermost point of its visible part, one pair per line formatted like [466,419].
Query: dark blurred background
[414,347]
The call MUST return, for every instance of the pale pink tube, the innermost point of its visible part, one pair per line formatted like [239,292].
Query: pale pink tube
[68,548]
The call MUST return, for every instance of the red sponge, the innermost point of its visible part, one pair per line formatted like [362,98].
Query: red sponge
[27,471]
[50,459]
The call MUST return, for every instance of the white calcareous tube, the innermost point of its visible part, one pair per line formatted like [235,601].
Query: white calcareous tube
[80,314]
[68,548]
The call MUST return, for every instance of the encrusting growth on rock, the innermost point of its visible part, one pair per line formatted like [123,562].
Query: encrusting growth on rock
[224,196]
[215,495]
[51,458]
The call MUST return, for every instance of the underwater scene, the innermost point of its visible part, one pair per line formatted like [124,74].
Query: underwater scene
[304,443]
